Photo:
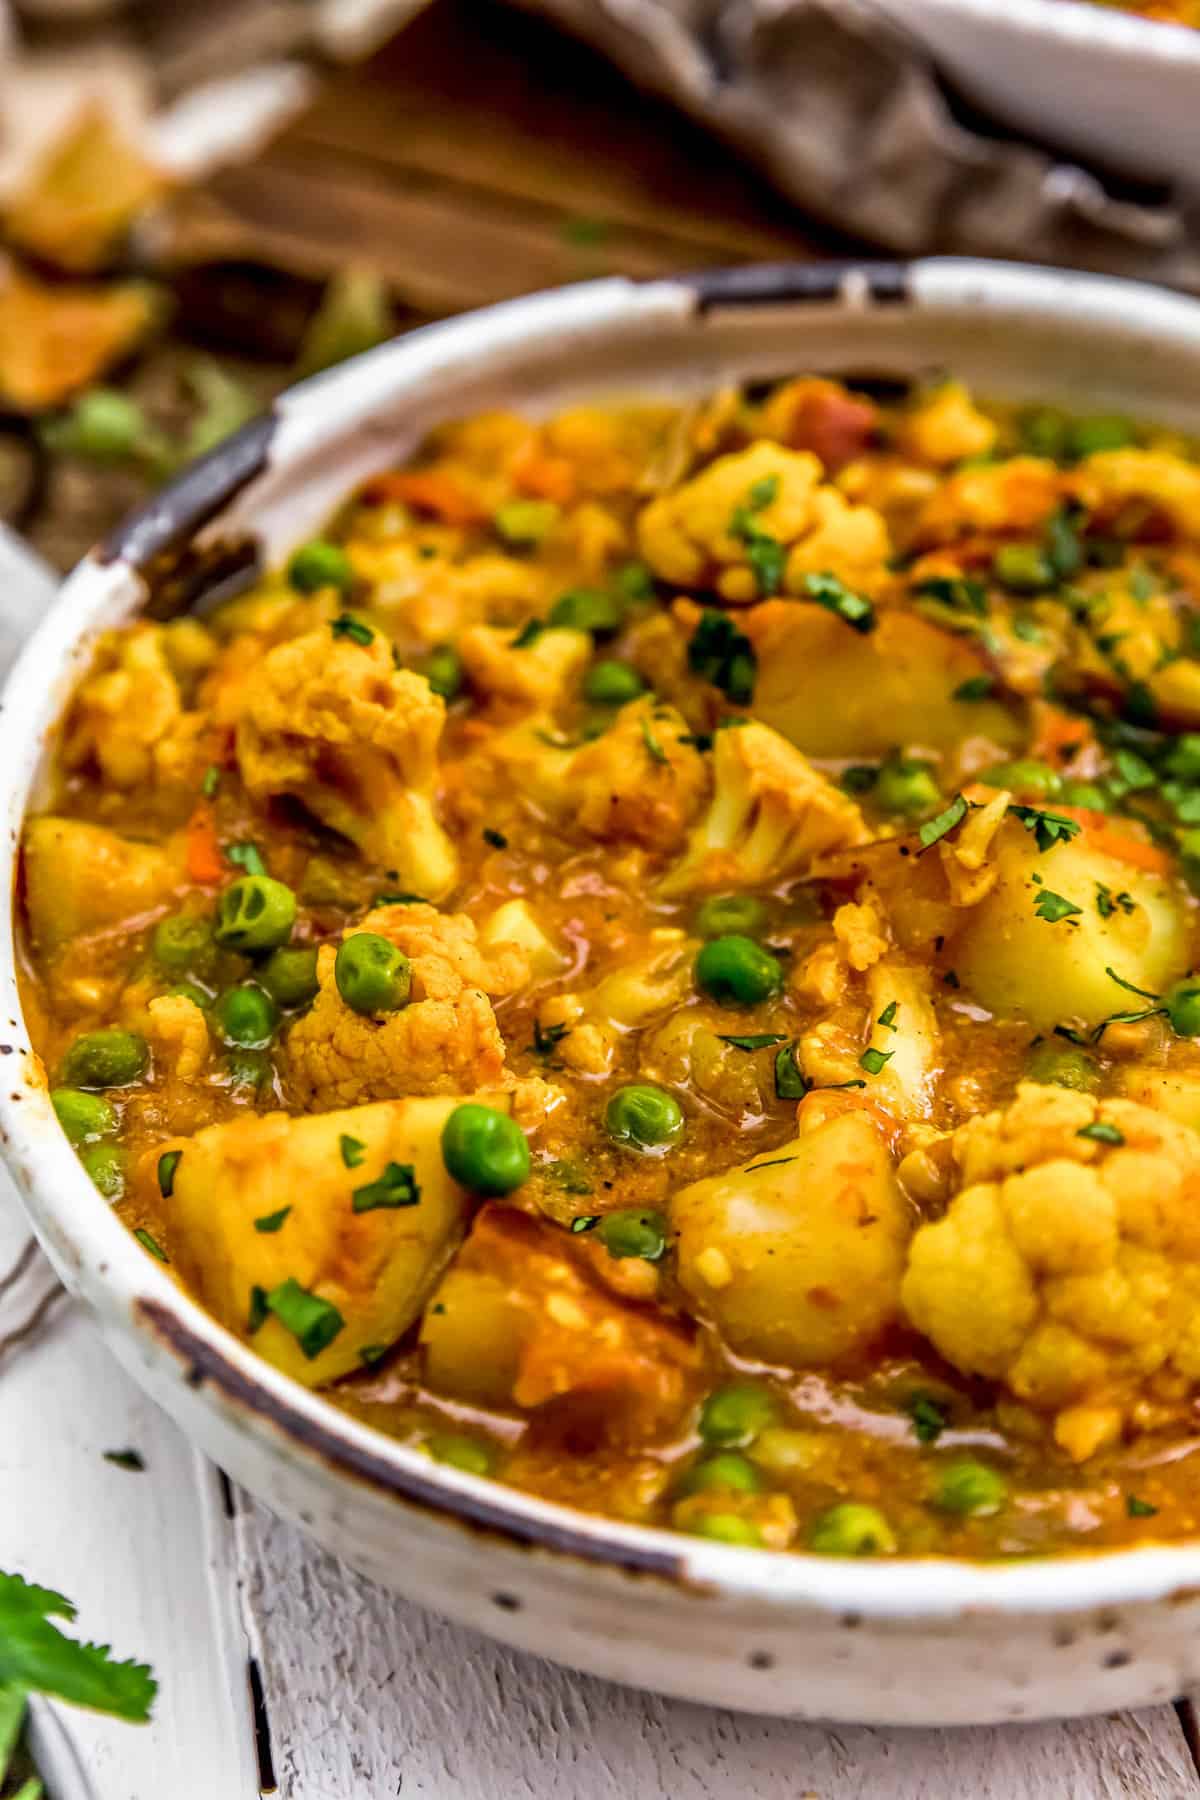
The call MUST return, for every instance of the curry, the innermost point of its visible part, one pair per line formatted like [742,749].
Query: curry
[655,962]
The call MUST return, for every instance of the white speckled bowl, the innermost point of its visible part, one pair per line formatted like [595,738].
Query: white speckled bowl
[890,1642]
[1096,82]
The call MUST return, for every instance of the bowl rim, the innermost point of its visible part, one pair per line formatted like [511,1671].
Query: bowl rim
[1081,23]
[138,1300]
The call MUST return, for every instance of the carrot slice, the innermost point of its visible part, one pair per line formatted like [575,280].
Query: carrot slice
[1111,839]
[1058,733]
[205,863]
[544,476]
[433,491]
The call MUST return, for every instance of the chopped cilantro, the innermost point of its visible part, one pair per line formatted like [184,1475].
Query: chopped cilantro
[875,1061]
[1135,772]
[1125,1018]
[837,598]
[1107,903]
[1139,1509]
[887,1017]
[529,633]
[258,1309]
[654,749]
[1142,993]
[1048,828]
[961,593]
[133,1460]
[764,553]
[859,778]
[212,780]
[775,1163]
[248,857]
[763,1041]
[722,654]
[547,1037]
[585,1222]
[944,822]
[347,626]
[790,1081]
[397,1186]
[353,1150]
[168,1162]
[1101,1132]
[271,1222]
[496,839]
[1054,907]
[370,1354]
[928,1417]
[151,1243]
[975,687]
[36,1657]
[388,898]
[313,1322]
[950,979]
[1027,631]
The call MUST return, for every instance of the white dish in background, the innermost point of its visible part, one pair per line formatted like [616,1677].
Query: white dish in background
[1118,90]
[903,1642]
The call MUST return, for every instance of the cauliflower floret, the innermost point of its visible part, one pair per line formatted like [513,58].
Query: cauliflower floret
[446,953]
[82,878]
[333,723]
[178,1034]
[629,997]
[333,1056]
[797,1255]
[947,426]
[537,675]
[642,780]
[1112,479]
[127,707]
[1067,1266]
[431,599]
[374,1264]
[770,815]
[1013,496]
[702,533]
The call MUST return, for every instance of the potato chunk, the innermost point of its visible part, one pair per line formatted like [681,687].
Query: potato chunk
[375,1266]
[81,878]
[797,1255]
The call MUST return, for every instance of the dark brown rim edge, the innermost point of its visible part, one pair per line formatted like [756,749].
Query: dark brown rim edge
[777,284]
[203,1364]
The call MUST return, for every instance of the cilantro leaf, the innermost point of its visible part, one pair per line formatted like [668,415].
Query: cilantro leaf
[887,1017]
[763,1041]
[168,1162]
[546,1038]
[790,1081]
[271,1222]
[585,1222]
[975,687]
[764,553]
[1101,1132]
[313,1322]
[928,1417]
[150,1243]
[1054,907]
[945,822]
[1142,993]
[397,1186]
[248,857]
[347,626]
[654,749]
[1139,1509]
[875,1061]
[37,1657]
[961,593]
[722,654]
[1048,828]
[353,1150]
[837,598]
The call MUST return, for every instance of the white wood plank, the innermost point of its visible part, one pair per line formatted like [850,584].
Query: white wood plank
[372,1698]
[146,1557]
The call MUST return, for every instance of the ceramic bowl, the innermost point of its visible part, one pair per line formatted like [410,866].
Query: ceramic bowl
[932,1642]
[1094,81]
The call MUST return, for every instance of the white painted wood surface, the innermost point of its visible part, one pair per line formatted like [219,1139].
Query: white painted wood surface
[368,1698]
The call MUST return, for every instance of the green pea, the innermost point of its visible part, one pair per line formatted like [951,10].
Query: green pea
[246,1016]
[248,1068]
[587,609]
[612,684]
[290,976]
[739,915]
[1044,432]
[727,1528]
[525,523]
[104,1059]
[191,990]
[1183,1007]
[1062,1065]
[1104,432]
[443,671]
[1085,793]
[105,1164]
[460,1452]
[484,1150]
[971,1488]
[83,1116]
[906,786]
[372,975]
[633,1231]
[852,1529]
[1183,759]
[255,913]
[737,1413]
[320,564]
[735,971]
[183,944]
[1026,777]
[646,1117]
[1023,569]
[726,1472]
[104,425]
